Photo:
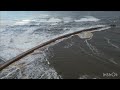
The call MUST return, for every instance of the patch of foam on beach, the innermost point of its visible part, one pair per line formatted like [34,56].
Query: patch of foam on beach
[85,35]
[89,34]
[87,18]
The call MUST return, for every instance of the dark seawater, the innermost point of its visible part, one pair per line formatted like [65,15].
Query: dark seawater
[90,55]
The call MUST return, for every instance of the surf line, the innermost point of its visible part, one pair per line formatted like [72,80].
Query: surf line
[17,58]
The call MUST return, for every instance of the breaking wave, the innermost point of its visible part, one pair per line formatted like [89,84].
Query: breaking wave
[88,18]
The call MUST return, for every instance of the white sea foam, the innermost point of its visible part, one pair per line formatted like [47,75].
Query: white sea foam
[85,35]
[54,20]
[89,34]
[87,18]
[67,19]
[23,22]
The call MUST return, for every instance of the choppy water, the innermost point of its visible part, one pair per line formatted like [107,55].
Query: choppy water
[87,55]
